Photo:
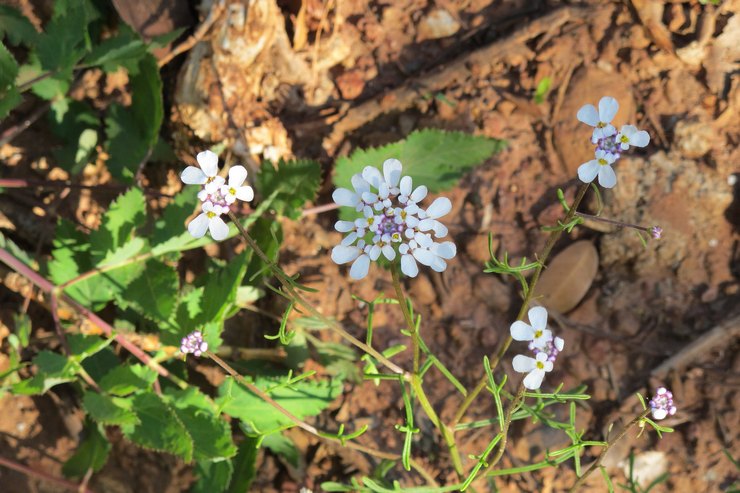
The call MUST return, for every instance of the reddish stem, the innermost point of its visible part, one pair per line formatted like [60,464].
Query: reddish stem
[42,475]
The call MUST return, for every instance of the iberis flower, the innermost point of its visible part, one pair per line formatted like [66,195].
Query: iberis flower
[216,195]
[609,143]
[661,405]
[392,223]
[194,344]
[543,345]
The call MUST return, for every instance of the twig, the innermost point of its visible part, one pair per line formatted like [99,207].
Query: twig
[13,132]
[319,209]
[42,475]
[198,35]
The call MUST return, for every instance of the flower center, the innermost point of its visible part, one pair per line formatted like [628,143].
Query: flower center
[603,161]
[537,334]
[232,191]
[624,139]
[388,225]
[210,214]
[600,125]
[540,365]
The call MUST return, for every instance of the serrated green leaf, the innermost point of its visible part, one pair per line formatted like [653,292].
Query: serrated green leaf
[65,38]
[125,144]
[245,464]
[296,182]
[303,399]
[269,235]
[8,71]
[169,228]
[284,447]
[100,363]
[109,410]
[82,346]
[211,435]
[16,27]
[124,380]
[125,48]
[434,158]
[9,101]
[92,452]
[219,288]
[213,477]
[125,214]
[154,292]
[159,427]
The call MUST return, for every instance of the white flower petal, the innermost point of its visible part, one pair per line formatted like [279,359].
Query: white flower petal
[440,230]
[588,115]
[438,264]
[423,256]
[419,194]
[559,343]
[349,239]
[198,226]
[237,175]
[520,331]
[538,318]
[345,197]
[218,228]
[360,267]
[359,184]
[439,207]
[392,171]
[341,254]
[426,224]
[659,413]
[588,171]
[245,193]
[423,240]
[608,107]
[640,139]
[408,265]
[406,185]
[534,379]
[388,252]
[607,177]
[372,176]
[193,176]
[208,162]
[344,226]
[446,249]
[523,364]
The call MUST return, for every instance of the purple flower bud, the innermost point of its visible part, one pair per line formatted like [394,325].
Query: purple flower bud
[194,344]
[661,405]
[656,232]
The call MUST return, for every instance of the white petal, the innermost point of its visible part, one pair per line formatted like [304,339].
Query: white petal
[374,252]
[392,171]
[405,186]
[446,249]
[538,318]
[424,257]
[198,226]
[419,194]
[608,108]
[208,162]
[607,177]
[439,207]
[193,176]
[237,175]
[344,226]
[520,331]
[383,192]
[640,139]
[372,176]
[588,115]
[426,224]
[349,239]
[559,343]
[659,413]
[588,171]
[408,265]
[534,379]
[523,364]
[440,230]
[342,254]
[345,197]
[218,228]
[423,240]
[359,184]
[412,221]
[245,193]
[438,264]
[389,252]
[360,267]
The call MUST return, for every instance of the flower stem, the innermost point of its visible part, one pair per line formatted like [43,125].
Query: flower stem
[505,431]
[612,221]
[290,289]
[579,482]
[554,237]
[406,315]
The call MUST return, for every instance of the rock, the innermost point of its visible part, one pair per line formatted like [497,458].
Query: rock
[439,23]
[648,466]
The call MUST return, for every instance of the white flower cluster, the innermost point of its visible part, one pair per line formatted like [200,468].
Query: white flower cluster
[392,223]
[609,143]
[217,195]
[544,346]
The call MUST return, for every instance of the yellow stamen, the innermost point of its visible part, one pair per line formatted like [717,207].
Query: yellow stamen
[540,365]
[210,214]
[603,161]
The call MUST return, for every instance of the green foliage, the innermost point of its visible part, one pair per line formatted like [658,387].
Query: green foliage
[296,182]
[16,28]
[435,158]
[154,292]
[158,427]
[303,399]
[92,452]
[244,466]
[9,96]
[126,379]
[543,87]
[52,369]
[126,48]
[65,39]
[109,410]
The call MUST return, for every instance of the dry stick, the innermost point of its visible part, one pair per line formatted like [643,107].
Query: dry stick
[332,324]
[50,289]
[542,259]
[198,35]
[14,131]
[307,427]
[41,475]
[610,443]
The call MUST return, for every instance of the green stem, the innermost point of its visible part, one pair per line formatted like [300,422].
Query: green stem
[542,259]
[579,482]
[505,431]
[406,315]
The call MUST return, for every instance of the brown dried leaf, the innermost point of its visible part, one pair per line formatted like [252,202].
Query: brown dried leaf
[568,277]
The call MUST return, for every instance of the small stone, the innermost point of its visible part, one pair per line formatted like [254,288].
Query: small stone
[438,24]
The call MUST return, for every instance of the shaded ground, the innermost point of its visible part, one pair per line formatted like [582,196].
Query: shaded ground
[398,67]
